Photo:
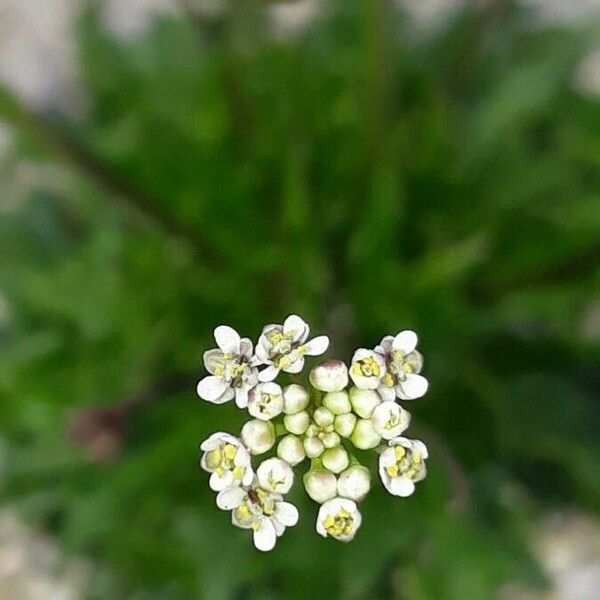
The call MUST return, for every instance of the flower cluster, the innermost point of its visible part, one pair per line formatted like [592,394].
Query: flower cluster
[323,421]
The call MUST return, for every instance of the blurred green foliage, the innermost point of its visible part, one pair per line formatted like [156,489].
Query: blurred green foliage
[370,178]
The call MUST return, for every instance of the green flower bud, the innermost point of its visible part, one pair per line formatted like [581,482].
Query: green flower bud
[297,423]
[291,449]
[313,447]
[320,485]
[295,399]
[364,402]
[258,436]
[335,459]
[323,416]
[364,435]
[344,424]
[337,402]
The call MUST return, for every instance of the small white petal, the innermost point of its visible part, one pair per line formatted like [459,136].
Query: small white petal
[211,388]
[296,366]
[230,498]
[261,357]
[220,482]
[286,513]
[246,348]
[317,345]
[268,374]
[265,536]
[241,397]
[227,339]
[295,326]
[401,486]
[405,341]
[421,448]
[413,387]
[211,442]
[209,358]
[226,396]
[279,526]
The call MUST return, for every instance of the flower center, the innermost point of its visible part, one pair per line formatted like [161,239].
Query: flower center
[257,503]
[265,402]
[222,459]
[230,368]
[408,463]
[339,524]
[368,367]
[283,351]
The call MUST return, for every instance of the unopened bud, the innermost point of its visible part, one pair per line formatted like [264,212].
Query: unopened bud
[354,483]
[364,402]
[291,449]
[297,423]
[337,402]
[331,439]
[320,485]
[295,399]
[331,376]
[258,436]
[344,424]
[323,416]
[335,459]
[313,447]
[364,435]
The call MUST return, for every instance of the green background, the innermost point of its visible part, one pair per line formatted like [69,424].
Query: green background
[363,174]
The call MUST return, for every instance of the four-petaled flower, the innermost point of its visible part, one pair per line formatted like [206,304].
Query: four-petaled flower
[339,518]
[367,369]
[228,461]
[402,465]
[258,509]
[283,347]
[231,372]
[403,365]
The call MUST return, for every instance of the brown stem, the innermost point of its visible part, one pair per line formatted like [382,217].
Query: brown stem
[102,430]
[59,142]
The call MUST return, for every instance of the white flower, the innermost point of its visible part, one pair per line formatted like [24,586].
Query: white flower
[265,401]
[295,399]
[390,420]
[228,461]
[291,449]
[260,510]
[330,376]
[320,484]
[364,435]
[403,365]
[275,475]
[339,518]
[367,369]
[364,402]
[354,483]
[402,465]
[258,436]
[335,459]
[283,347]
[229,365]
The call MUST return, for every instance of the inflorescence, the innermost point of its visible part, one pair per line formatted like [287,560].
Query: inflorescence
[323,420]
